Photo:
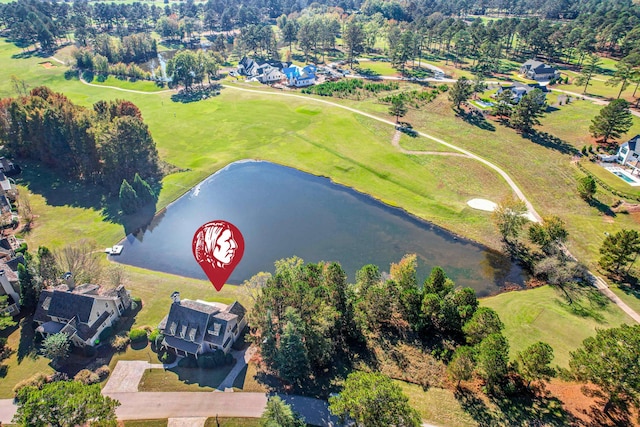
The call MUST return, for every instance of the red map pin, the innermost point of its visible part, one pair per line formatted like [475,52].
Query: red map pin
[218,247]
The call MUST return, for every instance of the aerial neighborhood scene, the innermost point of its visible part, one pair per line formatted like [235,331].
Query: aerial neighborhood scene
[340,213]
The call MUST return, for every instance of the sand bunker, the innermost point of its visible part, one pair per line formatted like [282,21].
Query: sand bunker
[47,64]
[483,204]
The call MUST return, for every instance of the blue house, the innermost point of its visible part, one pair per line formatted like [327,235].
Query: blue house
[300,77]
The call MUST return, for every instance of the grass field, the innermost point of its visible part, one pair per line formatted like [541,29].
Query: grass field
[182,379]
[542,314]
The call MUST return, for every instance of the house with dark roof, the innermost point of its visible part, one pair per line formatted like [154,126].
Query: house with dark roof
[264,72]
[197,327]
[81,313]
[518,90]
[537,70]
[9,283]
[629,154]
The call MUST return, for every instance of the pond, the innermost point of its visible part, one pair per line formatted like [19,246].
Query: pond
[283,212]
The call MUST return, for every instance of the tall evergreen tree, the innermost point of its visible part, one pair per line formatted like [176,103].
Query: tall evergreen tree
[619,250]
[143,190]
[588,70]
[129,201]
[29,288]
[293,361]
[527,112]
[460,92]
[612,121]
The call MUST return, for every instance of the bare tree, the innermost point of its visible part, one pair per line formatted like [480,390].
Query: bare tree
[80,260]
[116,275]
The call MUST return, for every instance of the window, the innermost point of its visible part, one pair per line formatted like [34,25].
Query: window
[216,329]
[226,343]
[106,304]
[235,328]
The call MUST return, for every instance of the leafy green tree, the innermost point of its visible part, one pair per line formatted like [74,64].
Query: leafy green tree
[279,414]
[438,283]
[622,76]
[612,121]
[184,69]
[492,358]
[588,70]
[460,92]
[587,188]
[143,190]
[373,400]
[56,347]
[129,201]
[510,217]
[610,361]
[29,287]
[65,403]
[398,108]
[527,112]
[461,366]
[485,321]
[353,38]
[549,234]
[6,321]
[292,358]
[533,362]
[619,250]
[290,33]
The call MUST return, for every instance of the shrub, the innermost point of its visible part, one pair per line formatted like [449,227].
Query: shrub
[103,372]
[21,249]
[188,362]
[57,376]
[120,342]
[138,335]
[36,380]
[169,357]
[106,333]
[87,377]
[3,343]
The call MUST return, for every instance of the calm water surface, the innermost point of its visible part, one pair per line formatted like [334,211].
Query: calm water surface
[283,212]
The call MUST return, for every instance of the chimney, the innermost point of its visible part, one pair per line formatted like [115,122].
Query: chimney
[176,297]
[68,277]
[8,289]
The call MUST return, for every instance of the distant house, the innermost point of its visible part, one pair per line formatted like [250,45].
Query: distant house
[629,153]
[81,313]
[300,77]
[518,90]
[264,72]
[8,167]
[536,70]
[8,187]
[9,283]
[196,327]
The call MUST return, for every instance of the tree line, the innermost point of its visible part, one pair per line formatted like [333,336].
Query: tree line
[102,145]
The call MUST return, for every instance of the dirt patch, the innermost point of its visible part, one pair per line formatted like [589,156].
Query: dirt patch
[587,409]
[635,216]
[47,64]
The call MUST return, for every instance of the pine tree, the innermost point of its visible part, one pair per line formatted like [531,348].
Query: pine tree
[619,250]
[527,112]
[128,198]
[29,288]
[612,121]
[589,69]
[143,190]
[460,92]
[293,361]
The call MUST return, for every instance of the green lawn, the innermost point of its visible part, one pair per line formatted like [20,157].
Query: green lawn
[597,87]
[233,422]
[182,379]
[437,405]
[145,423]
[542,314]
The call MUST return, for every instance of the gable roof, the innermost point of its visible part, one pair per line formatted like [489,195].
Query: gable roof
[538,67]
[633,143]
[237,309]
[188,320]
[66,305]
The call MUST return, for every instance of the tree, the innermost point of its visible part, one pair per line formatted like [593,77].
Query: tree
[353,38]
[485,321]
[279,414]
[587,188]
[398,108]
[460,92]
[510,217]
[292,358]
[534,362]
[289,33]
[65,403]
[29,287]
[492,358]
[143,190]
[610,361]
[6,321]
[56,347]
[128,198]
[619,249]
[588,70]
[373,400]
[612,121]
[503,104]
[549,234]
[183,68]
[622,76]
[461,366]
[527,112]
[81,260]
[47,268]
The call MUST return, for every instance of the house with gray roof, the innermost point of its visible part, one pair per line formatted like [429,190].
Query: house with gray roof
[80,312]
[518,90]
[264,71]
[629,154]
[196,327]
[9,283]
[537,70]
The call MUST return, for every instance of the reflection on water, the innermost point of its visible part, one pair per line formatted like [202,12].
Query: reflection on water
[161,62]
[284,212]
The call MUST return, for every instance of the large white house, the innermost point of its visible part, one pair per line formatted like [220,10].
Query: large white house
[196,327]
[629,154]
[81,313]
[537,70]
